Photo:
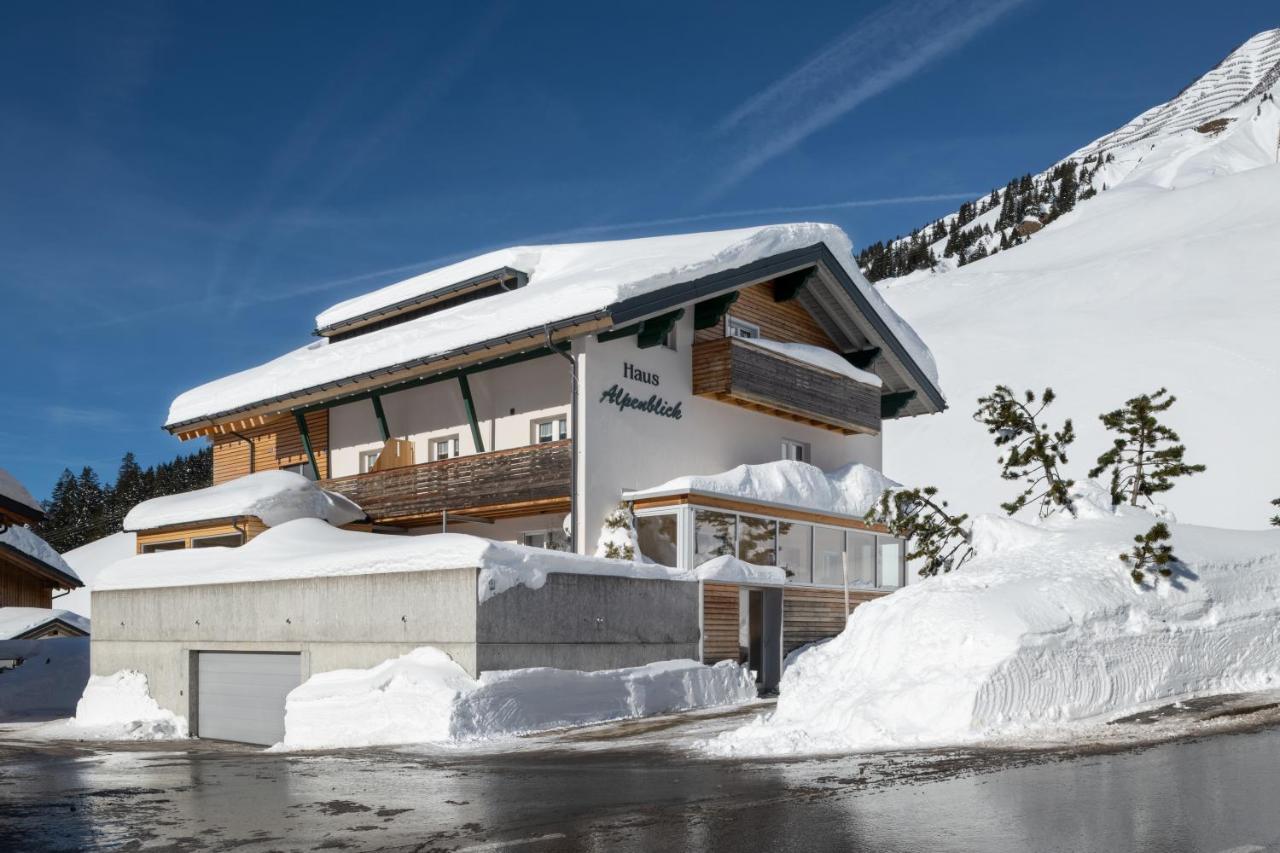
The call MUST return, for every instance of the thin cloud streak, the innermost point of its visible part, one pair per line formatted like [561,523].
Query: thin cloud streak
[881,52]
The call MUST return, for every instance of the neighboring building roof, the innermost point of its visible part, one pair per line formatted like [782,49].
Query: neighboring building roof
[18,623]
[274,497]
[850,491]
[16,502]
[37,555]
[571,288]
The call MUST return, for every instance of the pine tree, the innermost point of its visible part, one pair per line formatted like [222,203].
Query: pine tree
[1034,451]
[618,539]
[932,533]
[1275,519]
[1147,456]
[1151,551]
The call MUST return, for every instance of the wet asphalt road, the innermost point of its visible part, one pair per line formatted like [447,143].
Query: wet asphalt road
[614,790]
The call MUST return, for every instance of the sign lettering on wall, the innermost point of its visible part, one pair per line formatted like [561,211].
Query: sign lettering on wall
[616,395]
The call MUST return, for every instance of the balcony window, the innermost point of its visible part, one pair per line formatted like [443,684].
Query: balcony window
[550,429]
[891,561]
[795,551]
[735,328]
[828,556]
[796,451]
[368,459]
[658,535]
[552,540]
[757,540]
[715,534]
[444,448]
[862,559]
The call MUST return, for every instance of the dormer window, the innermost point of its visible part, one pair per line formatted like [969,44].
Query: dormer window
[735,328]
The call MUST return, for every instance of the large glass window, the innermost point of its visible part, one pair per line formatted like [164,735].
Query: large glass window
[657,535]
[552,540]
[862,559]
[715,534]
[175,545]
[828,556]
[795,551]
[227,540]
[891,558]
[756,540]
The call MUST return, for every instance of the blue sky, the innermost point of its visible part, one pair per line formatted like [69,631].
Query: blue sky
[184,186]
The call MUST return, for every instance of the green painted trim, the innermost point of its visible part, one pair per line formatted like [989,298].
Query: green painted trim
[381,416]
[620,332]
[893,403]
[469,404]
[306,442]
[653,330]
[786,287]
[708,312]
[862,358]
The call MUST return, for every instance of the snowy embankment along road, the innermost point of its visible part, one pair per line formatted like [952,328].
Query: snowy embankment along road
[1043,635]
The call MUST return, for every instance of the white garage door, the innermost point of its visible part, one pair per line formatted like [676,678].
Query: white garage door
[240,695]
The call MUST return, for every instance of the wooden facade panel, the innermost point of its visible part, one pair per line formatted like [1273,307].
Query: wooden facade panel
[737,372]
[779,321]
[720,622]
[534,477]
[276,444]
[810,614]
[19,588]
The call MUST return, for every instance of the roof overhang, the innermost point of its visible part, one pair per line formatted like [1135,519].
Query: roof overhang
[15,512]
[55,576]
[37,630]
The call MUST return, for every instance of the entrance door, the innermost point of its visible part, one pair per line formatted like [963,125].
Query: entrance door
[760,634]
[240,695]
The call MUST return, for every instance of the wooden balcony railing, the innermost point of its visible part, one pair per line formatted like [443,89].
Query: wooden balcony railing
[734,371]
[499,484]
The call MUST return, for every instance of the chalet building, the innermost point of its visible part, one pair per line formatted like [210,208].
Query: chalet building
[31,572]
[520,396]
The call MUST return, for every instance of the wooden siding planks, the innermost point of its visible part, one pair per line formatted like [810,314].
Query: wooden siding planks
[720,622]
[18,588]
[810,614]
[779,321]
[276,444]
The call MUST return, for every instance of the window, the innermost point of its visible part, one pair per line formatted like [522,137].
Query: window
[153,547]
[795,551]
[657,535]
[828,556]
[444,448]
[552,540]
[715,534]
[862,558]
[550,429]
[796,451]
[735,328]
[757,540]
[891,554]
[303,468]
[369,458]
[226,540]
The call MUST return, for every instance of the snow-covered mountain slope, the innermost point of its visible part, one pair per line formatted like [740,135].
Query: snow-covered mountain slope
[1143,288]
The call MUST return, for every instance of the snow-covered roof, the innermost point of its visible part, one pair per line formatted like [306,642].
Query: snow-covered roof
[309,548]
[89,560]
[567,284]
[14,492]
[817,357]
[25,542]
[274,497]
[16,621]
[851,490]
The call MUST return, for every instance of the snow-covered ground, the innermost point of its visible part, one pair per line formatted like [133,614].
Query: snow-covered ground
[274,497]
[1043,634]
[89,561]
[424,697]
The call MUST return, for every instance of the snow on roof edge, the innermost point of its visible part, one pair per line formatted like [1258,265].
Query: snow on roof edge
[274,497]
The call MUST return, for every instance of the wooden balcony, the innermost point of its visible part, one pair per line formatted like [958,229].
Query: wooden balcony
[500,484]
[734,371]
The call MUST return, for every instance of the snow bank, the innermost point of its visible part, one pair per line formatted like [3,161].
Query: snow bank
[424,697]
[727,568]
[564,281]
[20,620]
[119,707]
[13,490]
[309,548]
[818,357]
[1045,631]
[851,490]
[275,497]
[48,682]
[22,539]
[89,561]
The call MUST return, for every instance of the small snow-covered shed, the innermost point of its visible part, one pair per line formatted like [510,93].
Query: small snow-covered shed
[17,506]
[30,569]
[231,513]
[39,623]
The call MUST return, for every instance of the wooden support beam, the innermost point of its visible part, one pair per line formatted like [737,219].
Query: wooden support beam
[894,402]
[862,358]
[786,287]
[622,332]
[708,312]
[469,404]
[655,329]
[306,442]
[381,416]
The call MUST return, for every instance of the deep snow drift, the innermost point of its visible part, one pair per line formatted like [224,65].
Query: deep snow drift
[274,497]
[424,697]
[1043,633]
[119,707]
[89,561]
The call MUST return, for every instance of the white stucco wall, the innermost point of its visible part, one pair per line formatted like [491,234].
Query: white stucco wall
[533,389]
[634,450]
